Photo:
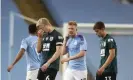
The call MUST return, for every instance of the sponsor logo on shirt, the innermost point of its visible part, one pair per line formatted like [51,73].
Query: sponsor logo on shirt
[46,46]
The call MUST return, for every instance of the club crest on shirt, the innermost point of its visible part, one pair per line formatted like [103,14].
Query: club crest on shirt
[51,38]
[103,44]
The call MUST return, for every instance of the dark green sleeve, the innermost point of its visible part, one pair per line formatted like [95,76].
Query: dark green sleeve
[59,40]
[111,43]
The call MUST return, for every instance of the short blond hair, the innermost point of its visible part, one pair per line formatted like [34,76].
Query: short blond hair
[44,21]
[72,23]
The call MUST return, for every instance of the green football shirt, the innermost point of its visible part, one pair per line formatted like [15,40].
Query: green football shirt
[106,44]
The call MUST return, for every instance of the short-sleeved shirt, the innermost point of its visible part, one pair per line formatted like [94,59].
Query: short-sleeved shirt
[49,43]
[32,57]
[74,46]
[106,44]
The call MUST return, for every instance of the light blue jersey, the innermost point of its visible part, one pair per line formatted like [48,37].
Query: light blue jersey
[32,57]
[74,46]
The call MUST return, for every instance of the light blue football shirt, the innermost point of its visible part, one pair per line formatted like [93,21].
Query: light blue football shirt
[32,57]
[74,46]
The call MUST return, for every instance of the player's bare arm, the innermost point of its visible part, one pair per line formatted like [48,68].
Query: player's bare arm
[53,58]
[79,55]
[65,59]
[108,61]
[56,55]
[110,58]
[39,42]
[18,57]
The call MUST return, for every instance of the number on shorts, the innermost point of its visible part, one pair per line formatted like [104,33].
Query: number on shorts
[108,78]
[47,78]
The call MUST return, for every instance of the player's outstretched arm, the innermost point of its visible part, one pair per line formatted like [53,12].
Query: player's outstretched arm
[18,57]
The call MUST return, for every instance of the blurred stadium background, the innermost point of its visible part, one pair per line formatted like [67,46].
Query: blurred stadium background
[117,16]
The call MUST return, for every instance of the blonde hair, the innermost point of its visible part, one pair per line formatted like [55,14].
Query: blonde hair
[43,21]
[72,23]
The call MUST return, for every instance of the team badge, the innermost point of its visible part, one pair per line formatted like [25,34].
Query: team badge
[51,38]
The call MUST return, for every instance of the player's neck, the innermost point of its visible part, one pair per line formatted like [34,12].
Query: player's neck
[74,35]
[104,34]
[51,29]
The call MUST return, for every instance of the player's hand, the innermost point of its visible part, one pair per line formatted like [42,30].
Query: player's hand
[44,67]
[9,68]
[100,71]
[40,33]
[65,60]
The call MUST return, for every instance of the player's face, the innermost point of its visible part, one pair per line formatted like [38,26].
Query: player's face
[99,32]
[72,30]
[43,27]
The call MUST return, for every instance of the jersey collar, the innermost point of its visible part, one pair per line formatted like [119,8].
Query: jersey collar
[106,36]
[51,32]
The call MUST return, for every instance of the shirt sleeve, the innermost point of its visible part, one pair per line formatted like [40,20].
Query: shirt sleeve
[83,44]
[23,44]
[59,40]
[111,43]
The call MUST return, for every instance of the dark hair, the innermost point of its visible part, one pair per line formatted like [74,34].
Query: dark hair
[32,28]
[99,25]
